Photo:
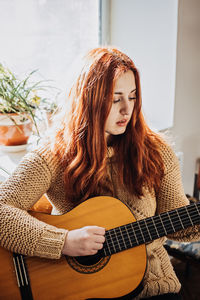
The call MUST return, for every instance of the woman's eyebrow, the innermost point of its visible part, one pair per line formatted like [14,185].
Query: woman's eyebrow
[120,93]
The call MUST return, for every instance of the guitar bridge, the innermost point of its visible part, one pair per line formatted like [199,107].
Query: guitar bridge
[22,276]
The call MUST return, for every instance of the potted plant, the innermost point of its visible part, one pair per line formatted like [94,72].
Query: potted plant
[20,102]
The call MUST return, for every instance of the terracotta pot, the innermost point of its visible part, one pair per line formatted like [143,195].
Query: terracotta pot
[11,134]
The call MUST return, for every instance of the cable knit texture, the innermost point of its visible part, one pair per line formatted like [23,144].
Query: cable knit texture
[40,172]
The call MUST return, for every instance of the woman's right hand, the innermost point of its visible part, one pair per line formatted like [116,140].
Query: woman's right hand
[84,241]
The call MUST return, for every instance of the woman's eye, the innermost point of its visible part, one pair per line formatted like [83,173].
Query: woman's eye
[132,98]
[116,100]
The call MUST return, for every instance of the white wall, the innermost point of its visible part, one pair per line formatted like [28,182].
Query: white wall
[186,129]
[147,31]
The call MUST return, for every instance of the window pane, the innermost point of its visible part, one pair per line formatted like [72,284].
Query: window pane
[47,34]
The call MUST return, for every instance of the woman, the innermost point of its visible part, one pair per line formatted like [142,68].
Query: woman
[102,146]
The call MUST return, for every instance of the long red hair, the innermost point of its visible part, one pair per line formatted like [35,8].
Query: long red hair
[80,140]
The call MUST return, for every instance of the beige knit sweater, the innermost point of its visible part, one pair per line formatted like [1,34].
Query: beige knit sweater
[39,172]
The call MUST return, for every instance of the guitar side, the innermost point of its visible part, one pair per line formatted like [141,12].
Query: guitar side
[58,279]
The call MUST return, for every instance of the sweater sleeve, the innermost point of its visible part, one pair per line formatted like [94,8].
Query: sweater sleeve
[20,232]
[172,196]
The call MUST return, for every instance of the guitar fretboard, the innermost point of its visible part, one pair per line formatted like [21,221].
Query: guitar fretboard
[149,229]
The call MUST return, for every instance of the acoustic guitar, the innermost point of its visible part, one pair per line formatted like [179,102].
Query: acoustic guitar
[116,271]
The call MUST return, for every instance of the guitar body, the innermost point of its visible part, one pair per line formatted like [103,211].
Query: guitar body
[70,279]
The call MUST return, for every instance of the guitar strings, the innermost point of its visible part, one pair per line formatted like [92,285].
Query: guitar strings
[116,239]
[131,235]
[127,242]
[177,220]
[123,243]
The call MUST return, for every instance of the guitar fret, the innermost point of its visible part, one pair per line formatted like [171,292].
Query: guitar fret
[141,231]
[180,219]
[155,226]
[112,243]
[104,250]
[163,224]
[170,221]
[167,222]
[122,238]
[188,215]
[152,227]
[197,209]
[128,236]
[117,239]
[148,229]
[106,244]
[185,217]
[175,221]
[147,236]
[140,236]
[134,233]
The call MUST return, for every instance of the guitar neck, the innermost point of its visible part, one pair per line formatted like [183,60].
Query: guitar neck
[149,229]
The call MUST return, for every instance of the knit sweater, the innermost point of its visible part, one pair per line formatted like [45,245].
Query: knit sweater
[40,172]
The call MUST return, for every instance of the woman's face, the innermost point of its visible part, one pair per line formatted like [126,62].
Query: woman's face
[124,97]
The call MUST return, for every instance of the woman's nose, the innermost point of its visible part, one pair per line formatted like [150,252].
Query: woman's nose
[124,108]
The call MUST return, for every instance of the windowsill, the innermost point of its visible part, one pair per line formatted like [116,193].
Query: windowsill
[8,162]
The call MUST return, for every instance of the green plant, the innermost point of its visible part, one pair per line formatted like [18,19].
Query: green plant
[23,96]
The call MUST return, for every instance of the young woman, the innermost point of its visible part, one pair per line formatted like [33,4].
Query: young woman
[102,146]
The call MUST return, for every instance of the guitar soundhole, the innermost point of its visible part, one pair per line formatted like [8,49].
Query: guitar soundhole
[89,260]
[88,264]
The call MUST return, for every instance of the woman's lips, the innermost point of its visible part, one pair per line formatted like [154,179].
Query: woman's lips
[122,122]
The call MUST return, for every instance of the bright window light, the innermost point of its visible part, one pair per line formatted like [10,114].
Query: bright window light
[47,35]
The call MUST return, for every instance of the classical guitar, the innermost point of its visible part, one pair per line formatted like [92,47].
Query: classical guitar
[111,273]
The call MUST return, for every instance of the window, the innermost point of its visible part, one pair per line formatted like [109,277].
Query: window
[47,34]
